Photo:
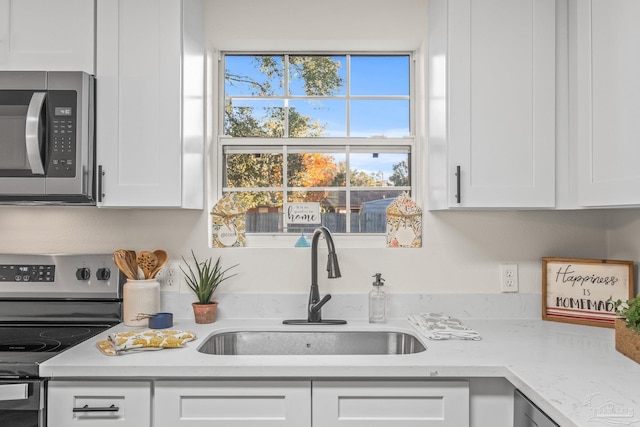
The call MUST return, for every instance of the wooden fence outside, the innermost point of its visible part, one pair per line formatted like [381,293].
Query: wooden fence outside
[374,222]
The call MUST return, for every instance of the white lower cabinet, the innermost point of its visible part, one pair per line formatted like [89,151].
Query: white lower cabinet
[361,403]
[490,402]
[322,403]
[259,403]
[99,403]
[232,403]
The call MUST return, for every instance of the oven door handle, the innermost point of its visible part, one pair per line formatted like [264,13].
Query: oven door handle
[32,135]
[14,391]
[87,408]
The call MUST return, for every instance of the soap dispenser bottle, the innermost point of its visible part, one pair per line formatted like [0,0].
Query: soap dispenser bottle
[377,301]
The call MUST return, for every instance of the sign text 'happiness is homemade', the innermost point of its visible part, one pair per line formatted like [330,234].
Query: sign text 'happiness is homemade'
[584,290]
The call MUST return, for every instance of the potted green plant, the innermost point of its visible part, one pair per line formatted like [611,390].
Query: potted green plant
[203,279]
[628,328]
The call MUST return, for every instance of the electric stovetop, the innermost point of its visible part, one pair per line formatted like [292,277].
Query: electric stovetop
[24,347]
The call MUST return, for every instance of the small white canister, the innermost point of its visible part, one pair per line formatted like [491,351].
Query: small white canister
[141,298]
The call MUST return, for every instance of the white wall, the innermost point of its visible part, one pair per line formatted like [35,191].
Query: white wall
[623,237]
[311,25]
[461,251]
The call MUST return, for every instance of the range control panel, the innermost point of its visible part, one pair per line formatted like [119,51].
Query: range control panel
[27,273]
[59,276]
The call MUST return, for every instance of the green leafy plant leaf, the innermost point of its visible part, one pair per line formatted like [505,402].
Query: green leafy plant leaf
[203,278]
[630,311]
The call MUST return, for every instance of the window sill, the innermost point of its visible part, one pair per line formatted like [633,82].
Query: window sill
[341,240]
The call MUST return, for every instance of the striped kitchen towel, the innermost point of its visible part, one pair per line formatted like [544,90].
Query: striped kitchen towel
[437,326]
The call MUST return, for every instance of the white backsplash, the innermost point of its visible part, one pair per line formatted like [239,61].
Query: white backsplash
[356,306]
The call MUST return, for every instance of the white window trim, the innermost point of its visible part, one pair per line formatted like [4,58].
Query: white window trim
[274,240]
[343,240]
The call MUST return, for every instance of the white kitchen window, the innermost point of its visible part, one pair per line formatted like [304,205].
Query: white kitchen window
[333,129]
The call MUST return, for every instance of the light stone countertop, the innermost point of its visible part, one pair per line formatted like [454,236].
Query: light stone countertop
[560,367]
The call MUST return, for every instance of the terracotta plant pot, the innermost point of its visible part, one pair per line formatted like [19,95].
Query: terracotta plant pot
[627,340]
[205,313]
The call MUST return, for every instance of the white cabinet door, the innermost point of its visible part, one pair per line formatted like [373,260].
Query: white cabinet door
[390,403]
[491,103]
[233,403]
[150,101]
[99,403]
[51,35]
[608,102]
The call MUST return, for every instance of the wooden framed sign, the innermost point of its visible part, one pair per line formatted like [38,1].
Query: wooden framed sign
[580,290]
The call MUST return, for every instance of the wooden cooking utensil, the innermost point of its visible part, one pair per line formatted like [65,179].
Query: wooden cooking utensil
[147,261]
[162,258]
[120,257]
[133,264]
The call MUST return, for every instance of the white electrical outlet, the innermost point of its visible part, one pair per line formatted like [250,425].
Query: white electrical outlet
[509,277]
[169,277]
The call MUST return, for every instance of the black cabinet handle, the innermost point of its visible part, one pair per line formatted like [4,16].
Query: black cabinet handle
[458,195]
[86,408]
[100,175]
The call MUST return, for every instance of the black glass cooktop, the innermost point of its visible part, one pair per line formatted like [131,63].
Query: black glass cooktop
[45,338]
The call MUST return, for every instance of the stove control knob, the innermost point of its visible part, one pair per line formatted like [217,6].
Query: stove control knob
[103,274]
[83,273]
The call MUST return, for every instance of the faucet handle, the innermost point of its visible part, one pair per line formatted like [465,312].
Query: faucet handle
[316,307]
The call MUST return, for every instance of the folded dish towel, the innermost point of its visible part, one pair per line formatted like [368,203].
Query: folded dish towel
[141,340]
[436,326]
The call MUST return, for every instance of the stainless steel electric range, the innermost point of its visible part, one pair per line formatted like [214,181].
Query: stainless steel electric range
[48,303]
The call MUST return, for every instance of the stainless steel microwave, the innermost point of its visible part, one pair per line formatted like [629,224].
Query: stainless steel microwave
[47,137]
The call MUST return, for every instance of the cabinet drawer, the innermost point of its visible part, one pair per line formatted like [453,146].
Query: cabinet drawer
[99,404]
[390,403]
[233,403]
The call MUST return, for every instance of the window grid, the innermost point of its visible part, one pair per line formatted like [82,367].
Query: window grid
[346,142]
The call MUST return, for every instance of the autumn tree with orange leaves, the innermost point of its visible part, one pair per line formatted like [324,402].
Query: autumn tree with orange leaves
[260,170]
[318,170]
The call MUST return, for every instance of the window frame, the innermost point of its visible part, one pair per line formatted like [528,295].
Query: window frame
[282,239]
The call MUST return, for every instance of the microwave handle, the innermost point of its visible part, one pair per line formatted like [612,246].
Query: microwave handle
[32,133]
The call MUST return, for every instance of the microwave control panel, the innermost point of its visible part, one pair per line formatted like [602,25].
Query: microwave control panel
[62,134]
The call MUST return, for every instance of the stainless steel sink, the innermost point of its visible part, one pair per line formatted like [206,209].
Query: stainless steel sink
[311,343]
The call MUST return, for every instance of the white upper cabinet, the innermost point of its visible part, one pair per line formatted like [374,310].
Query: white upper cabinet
[51,35]
[607,70]
[150,103]
[491,97]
